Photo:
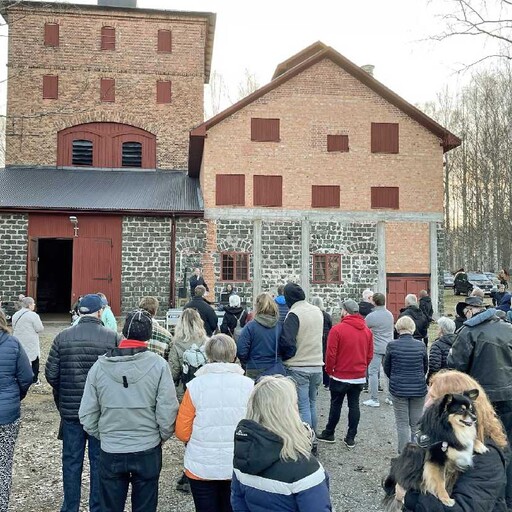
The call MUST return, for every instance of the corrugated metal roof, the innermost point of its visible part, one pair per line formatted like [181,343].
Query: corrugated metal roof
[99,190]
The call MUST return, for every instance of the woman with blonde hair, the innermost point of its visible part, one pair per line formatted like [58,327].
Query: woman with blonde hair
[481,488]
[258,346]
[273,465]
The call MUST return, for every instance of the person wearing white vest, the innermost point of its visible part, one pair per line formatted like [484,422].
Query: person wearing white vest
[215,401]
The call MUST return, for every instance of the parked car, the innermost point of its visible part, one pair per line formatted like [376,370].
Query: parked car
[464,283]
[448,279]
[493,278]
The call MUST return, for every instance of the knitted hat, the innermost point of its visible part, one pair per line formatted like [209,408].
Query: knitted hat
[138,326]
[90,304]
[350,306]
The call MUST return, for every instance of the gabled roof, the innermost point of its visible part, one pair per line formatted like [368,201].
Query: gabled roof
[64,7]
[152,192]
[291,68]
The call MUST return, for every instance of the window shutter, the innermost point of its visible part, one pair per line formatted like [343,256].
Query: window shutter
[51,34]
[131,154]
[108,38]
[385,197]
[165,41]
[82,150]
[50,87]
[230,189]
[268,190]
[325,196]
[337,143]
[265,130]
[385,138]
[108,89]
[163,91]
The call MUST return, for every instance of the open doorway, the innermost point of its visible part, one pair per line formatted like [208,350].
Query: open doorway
[54,274]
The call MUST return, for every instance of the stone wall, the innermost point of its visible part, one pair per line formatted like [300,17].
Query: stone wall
[13,255]
[146,260]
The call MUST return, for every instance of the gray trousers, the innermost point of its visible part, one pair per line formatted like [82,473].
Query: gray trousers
[408,412]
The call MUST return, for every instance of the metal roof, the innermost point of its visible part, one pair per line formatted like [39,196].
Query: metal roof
[137,191]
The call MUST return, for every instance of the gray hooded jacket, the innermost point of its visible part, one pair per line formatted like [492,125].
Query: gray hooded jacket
[129,401]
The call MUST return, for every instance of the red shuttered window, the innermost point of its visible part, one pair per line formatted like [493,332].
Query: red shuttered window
[265,130]
[165,41]
[108,38]
[108,90]
[326,268]
[50,87]
[325,196]
[268,190]
[234,266]
[230,189]
[163,91]
[51,34]
[385,138]
[385,197]
[337,143]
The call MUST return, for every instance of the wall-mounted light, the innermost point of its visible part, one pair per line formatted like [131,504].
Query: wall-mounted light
[74,221]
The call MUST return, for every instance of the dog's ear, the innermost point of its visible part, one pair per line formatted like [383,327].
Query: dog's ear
[472,394]
[447,400]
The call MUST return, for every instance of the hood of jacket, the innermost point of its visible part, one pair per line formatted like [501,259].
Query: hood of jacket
[236,310]
[414,312]
[256,448]
[293,293]
[447,339]
[280,300]
[480,318]
[131,364]
[220,368]
[356,321]
[365,308]
[266,320]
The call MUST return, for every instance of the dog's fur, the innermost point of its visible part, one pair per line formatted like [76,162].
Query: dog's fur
[445,446]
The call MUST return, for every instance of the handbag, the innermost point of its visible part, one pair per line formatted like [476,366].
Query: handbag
[278,367]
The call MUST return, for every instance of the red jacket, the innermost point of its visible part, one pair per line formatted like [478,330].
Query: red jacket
[349,348]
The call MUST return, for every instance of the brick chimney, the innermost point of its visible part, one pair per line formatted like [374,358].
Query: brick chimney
[118,3]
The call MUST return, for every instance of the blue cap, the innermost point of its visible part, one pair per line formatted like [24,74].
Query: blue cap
[90,304]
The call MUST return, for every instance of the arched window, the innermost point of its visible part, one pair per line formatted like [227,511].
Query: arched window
[132,154]
[82,152]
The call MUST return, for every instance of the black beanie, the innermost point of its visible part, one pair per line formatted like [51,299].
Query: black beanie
[293,293]
[138,326]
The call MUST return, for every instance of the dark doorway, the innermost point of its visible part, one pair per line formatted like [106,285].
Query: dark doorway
[55,269]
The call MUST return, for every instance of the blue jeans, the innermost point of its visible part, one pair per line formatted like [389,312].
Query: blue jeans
[307,390]
[74,438]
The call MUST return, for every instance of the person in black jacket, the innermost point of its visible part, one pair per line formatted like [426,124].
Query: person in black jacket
[420,320]
[72,355]
[206,312]
[197,280]
[233,314]
[319,303]
[366,305]
[441,347]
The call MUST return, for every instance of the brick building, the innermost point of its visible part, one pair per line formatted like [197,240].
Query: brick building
[114,183]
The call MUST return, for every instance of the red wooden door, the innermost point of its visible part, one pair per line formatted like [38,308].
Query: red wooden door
[33,260]
[400,286]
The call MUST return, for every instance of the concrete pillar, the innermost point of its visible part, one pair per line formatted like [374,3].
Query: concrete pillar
[305,232]
[381,258]
[434,269]
[256,258]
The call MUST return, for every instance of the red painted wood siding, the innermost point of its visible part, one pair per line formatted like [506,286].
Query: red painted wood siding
[400,286]
[96,252]
[108,90]
[107,141]
[163,91]
[50,87]
[108,38]
[230,189]
[385,138]
[325,196]
[385,197]
[164,41]
[268,190]
[337,143]
[265,130]
[51,34]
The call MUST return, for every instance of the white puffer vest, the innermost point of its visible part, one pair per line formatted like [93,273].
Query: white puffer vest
[219,393]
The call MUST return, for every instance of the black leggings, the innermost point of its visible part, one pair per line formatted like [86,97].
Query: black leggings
[35,369]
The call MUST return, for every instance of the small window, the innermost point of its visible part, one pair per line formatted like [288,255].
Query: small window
[51,34]
[163,91]
[385,138]
[164,41]
[108,90]
[326,268]
[50,87]
[82,152]
[132,154]
[325,196]
[265,130]
[108,38]
[234,266]
[337,143]
[268,190]
[385,197]
[230,189]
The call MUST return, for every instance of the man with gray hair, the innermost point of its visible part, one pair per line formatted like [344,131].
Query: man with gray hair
[366,305]
[420,320]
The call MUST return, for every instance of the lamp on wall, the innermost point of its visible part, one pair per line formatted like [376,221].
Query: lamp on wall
[74,221]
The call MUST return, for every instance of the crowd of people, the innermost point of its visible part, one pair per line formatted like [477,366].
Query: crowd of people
[242,395]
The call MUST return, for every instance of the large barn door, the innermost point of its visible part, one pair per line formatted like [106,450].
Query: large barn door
[33,260]
[400,286]
[92,267]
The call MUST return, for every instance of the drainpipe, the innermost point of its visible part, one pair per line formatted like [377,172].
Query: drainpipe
[172,283]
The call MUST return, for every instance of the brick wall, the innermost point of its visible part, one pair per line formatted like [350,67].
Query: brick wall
[13,255]
[146,260]
[408,247]
[33,123]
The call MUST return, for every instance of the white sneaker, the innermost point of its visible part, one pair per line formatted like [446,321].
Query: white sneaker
[371,403]
[389,401]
